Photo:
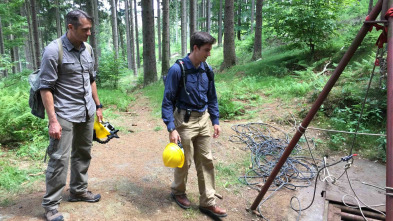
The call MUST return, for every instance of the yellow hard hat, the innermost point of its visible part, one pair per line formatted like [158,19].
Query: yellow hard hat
[103,132]
[100,131]
[173,156]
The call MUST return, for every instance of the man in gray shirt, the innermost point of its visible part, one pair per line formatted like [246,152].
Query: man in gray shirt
[69,94]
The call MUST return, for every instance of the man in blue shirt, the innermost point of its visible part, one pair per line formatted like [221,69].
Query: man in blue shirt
[188,104]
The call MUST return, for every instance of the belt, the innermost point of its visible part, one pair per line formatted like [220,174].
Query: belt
[193,113]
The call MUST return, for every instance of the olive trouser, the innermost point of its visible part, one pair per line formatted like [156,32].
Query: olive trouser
[196,140]
[76,138]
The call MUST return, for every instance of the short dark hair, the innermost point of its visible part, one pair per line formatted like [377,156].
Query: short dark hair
[73,17]
[201,38]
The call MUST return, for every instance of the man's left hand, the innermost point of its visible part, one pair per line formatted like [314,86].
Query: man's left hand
[99,114]
[217,131]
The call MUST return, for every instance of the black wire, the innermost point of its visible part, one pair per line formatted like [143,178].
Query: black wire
[315,187]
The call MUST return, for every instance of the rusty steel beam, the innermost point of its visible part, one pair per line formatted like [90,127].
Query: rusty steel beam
[389,123]
[322,96]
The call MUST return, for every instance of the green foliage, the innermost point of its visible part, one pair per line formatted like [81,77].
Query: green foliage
[11,177]
[110,71]
[16,121]
[229,108]
[155,93]
[310,22]
[5,63]
[120,99]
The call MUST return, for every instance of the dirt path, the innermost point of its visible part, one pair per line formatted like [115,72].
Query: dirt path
[135,185]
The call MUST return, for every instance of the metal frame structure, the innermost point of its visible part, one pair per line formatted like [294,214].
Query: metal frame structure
[381,6]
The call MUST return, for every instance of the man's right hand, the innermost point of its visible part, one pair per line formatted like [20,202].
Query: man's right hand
[174,137]
[55,130]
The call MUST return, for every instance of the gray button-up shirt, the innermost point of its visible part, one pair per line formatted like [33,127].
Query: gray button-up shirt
[71,81]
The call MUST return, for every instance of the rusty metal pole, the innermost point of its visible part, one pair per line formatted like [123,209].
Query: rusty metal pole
[389,123]
[322,96]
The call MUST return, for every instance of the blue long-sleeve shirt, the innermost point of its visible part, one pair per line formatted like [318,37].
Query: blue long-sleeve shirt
[202,93]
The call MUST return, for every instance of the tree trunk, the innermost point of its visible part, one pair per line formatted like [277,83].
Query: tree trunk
[132,40]
[370,6]
[258,32]
[149,52]
[165,38]
[193,13]
[202,14]
[220,24]
[58,23]
[34,23]
[114,29]
[183,28]
[229,35]
[128,34]
[120,31]
[252,14]
[176,17]
[93,37]
[97,49]
[159,29]
[239,21]
[137,35]
[26,40]
[30,53]
[2,49]
[208,16]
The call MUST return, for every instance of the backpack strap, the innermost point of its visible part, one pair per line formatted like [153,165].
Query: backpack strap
[88,47]
[209,72]
[180,62]
[60,44]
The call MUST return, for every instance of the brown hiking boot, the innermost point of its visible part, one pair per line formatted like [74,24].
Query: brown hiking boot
[213,211]
[181,200]
[85,197]
[53,215]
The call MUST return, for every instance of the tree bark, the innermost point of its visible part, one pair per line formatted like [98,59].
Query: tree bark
[149,52]
[370,6]
[239,21]
[58,23]
[114,29]
[93,37]
[183,27]
[193,13]
[208,16]
[128,33]
[138,60]
[2,49]
[258,32]
[97,49]
[220,24]
[165,38]
[159,29]
[120,31]
[132,39]
[30,53]
[252,15]
[229,35]
[35,34]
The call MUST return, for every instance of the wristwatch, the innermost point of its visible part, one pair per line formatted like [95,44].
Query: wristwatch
[99,106]
[171,129]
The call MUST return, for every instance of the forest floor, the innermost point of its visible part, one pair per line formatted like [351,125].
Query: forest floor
[135,185]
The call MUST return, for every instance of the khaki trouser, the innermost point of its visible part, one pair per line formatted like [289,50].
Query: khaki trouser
[196,140]
[76,138]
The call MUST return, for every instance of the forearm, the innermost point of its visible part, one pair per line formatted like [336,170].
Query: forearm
[47,99]
[94,93]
